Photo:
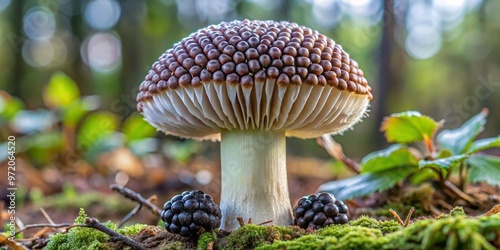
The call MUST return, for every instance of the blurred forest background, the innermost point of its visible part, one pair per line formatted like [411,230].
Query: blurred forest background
[70,71]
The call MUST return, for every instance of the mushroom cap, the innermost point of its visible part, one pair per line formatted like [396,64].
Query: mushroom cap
[255,75]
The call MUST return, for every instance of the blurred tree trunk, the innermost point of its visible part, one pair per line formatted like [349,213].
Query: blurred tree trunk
[16,40]
[391,65]
[77,69]
[131,73]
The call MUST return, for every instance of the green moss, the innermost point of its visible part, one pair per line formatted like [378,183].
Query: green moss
[251,236]
[132,229]
[389,226]
[385,227]
[305,242]
[455,231]
[80,237]
[205,239]
[456,211]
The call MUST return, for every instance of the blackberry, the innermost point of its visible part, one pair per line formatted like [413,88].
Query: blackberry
[319,210]
[191,214]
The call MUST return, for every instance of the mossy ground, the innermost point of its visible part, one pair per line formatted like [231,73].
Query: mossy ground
[450,231]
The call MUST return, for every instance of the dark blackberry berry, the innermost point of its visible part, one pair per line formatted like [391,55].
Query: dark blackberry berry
[191,214]
[320,210]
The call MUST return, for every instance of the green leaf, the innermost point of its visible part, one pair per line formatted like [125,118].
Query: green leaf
[410,126]
[484,168]
[444,163]
[482,144]
[136,128]
[74,112]
[9,105]
[393,156]
[367,183]
[457,140]
[60,91]
[95,128]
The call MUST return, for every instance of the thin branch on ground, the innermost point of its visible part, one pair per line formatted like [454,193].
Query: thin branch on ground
[335,150]
[240,221]
[114,236]
[265,222]
[459,193]
[408,217]
[130,215]
[396,215]
[128,193]
[494,210]
[400,221]
[46,216]
[43,225]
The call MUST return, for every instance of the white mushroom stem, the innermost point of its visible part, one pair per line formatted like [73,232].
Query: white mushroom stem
[254,178]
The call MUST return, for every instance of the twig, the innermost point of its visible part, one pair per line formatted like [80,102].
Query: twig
[210,246]
[240,221]
[137,198]
[408,217]
[43,225]
[114,236]
[494,210]
[335,150]
[46,216]
[130,215]
[265,222]
[396,215]
[459,193]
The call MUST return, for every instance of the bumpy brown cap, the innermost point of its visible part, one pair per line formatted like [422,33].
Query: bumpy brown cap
[254,75]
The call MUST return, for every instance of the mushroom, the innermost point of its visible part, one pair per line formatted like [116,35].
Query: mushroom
[251,84]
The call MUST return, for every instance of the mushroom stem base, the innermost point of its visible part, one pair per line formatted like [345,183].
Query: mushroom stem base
[254,178]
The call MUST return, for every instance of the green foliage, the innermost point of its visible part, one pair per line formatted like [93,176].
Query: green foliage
[132,229]
[69,125]
[251,236]
[79,237]
[443,163]
[410,126]
[60,91]
[384,226]
[454,231]
[205,239]
[88,238]
[484,168]
[457,140]
[382,169]
[367,183]
[396,155]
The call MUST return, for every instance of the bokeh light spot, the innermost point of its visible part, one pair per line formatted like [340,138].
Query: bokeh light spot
[102,14]
[102,52]
[39,23]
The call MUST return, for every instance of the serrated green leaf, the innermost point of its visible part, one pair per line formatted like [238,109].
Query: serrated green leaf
[407,127]
[482,144]
[60,91]
[457,140]
[367,183]
[135,128]
[444,163]
[484,168]
[393,156]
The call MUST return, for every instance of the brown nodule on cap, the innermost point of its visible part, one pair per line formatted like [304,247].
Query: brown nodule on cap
[241,48]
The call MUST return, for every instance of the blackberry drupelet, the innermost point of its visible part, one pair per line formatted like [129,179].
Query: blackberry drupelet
[191,214]
[319,210]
